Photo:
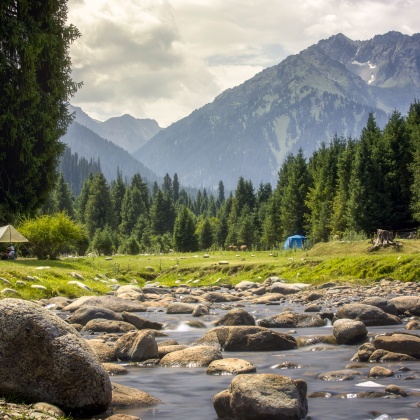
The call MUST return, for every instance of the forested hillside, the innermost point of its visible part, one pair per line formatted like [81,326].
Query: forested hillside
[348,187]
[300,103]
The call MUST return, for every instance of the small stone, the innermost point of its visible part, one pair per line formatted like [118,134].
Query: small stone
[38,287]
[380,372]
[394,389]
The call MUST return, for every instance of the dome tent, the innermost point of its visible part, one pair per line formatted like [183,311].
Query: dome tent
[295,241]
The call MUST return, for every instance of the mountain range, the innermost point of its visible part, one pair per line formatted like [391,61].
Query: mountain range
[329,88]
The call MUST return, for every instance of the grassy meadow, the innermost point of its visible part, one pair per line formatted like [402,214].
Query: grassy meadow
[332,261]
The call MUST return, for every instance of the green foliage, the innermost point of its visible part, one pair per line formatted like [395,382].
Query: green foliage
[185,239]
[205,231]
[102,242]
[131,246]
[49,235]
[35,85]
[62,197]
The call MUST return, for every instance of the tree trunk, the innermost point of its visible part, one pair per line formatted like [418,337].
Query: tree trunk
[384,238]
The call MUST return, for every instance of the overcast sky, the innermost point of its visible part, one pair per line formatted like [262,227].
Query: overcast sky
[162,59]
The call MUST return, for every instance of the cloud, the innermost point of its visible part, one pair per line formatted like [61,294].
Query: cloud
[162,59]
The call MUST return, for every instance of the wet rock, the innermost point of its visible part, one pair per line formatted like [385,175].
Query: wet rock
[104,352]
[399,343]
[313,308]
[259,291]
[85,314]
[44,359]
[236,316]
[114,369]
[164,350]
[123,417]
[226,366]
[183,291]
[291,320]
[130,292]
[136,346]
[288,365]
[347,331]
[388,356]
[49,409]
[310,340]
[382,303]
[141,323]
[196,324]
[106,326]
[247,338]
[200,310]
[77,327]
[364,352]
[262,396]
[313,296]
[356,366]
[124,396]
[380,372]
[245,285]
[199,356]
[156,290]
[220,297]
[180,308]
[194,299]
[319,394]
[363,394]
[287,288]
[339,375]
[113,303]
[407,303]
[369,315]
[413,325]
[167,343]
[394,389]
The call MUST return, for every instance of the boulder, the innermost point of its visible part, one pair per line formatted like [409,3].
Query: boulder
[262,396]
[394,389]
[85,314]
[230,366]
[104,352]
[236,316]
[122,417]
[245,285]
[413,325]
[312,308]
[259,291]
[113,303]
[246,338]
[288,288]
[164,350]
[220,297]
[43,358]
[167,343]
[141,323]
[380,372]
[156,290]
[104,325]
[194,299]
[130,292]
[382,303]
[364,353]
[407,303]
[123,396]
[199,356]
[136,346]
[291,320]
[180,308]
[369,315]
[347,331]
[200,310]
[399,343]
[114,369]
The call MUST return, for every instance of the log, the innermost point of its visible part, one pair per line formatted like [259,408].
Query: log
[384,239]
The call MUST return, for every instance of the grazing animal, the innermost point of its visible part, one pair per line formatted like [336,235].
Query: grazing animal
[232,248]
[243,247]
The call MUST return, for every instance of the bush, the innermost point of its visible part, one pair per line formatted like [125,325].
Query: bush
[131,246]
[50,235]
[102,242]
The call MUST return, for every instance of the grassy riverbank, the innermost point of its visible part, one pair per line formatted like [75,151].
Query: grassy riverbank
[333,261]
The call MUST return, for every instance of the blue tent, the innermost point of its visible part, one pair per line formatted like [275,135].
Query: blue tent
[295,241]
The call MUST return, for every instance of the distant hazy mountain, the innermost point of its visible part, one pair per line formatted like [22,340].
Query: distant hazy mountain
[328,88]
[126,131]
[88,144]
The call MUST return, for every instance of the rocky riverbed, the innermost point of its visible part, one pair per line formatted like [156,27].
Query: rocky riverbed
[255,351]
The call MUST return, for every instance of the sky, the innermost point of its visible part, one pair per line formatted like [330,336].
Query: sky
[162,59]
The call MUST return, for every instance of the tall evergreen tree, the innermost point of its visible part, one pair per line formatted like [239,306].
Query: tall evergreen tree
[232,237]
[222,230]
[118,193]
[185,239]
[167,185]
[62,197]
[246,231]
[206,235]
[413,124]
[221,193]
[83,198]
[175,186]
[131,209]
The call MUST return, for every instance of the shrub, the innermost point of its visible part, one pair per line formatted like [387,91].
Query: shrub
[131,246]
[49,235]
[102,242]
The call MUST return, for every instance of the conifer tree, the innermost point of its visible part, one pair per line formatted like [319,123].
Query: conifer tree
[222,230]
[246,231]
[206,235]
[167,185]
[221,193]
[131,209]
[175,186]
[232,237]
[185,239]
[83,198]
[137,182]
[117,193]
[413,124]
[155,189]
[62,197]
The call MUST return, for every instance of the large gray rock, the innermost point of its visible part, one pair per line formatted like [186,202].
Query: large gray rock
[348,331]
[156,290]
[291,320]
[398,342]
[265,396]
[380,302]
[198,356]
[85,314]
[245,285]
[136,346]
[288,288]
[201,310]
[407,303]
[104,352]
[230,366]
[141,323]
[124,397]
[369,315]
[130,292]
[236,316]
[180,308]
[113,303]
[106,326]
[247,338]
[43,358]
[220,297]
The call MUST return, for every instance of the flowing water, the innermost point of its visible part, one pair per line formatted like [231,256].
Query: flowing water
[188,393]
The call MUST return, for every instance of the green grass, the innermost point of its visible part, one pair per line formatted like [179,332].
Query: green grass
[332,261]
